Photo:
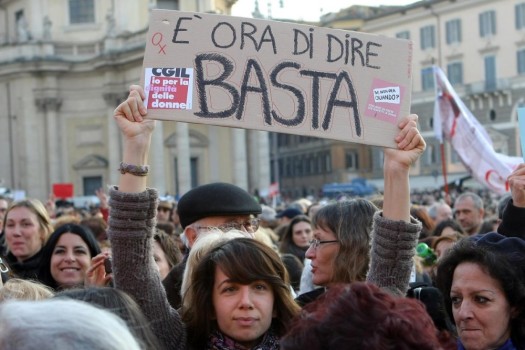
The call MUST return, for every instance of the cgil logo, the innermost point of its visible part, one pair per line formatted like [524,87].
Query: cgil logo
[170,72]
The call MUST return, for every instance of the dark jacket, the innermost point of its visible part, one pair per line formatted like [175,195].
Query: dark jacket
[27,270]
[513,221]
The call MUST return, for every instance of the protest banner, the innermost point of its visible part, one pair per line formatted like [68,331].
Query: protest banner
[276,76]
[469,138]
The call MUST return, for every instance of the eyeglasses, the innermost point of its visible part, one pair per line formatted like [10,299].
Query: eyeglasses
[163,209]
[251,226]
[315,243]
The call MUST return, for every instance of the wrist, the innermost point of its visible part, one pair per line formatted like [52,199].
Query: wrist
[136,152]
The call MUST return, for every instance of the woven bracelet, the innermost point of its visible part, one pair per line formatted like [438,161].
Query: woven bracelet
[137,170]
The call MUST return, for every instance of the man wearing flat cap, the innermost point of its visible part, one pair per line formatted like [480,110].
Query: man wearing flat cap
[213,206]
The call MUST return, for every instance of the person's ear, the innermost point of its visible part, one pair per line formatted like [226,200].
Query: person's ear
[191,234]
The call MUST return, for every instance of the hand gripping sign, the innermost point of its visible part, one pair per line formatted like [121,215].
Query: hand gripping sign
[275,76]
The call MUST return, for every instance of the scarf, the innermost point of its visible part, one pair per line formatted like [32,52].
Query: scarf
[219,341]
[507,346]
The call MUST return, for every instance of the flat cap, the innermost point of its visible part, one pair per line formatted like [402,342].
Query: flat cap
[215,199]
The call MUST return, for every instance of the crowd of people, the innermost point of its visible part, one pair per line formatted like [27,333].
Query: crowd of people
[219,270]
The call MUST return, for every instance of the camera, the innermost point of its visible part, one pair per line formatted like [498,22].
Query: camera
[108,265]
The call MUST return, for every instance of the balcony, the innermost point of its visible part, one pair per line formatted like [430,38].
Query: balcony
[487,87]
[71,51]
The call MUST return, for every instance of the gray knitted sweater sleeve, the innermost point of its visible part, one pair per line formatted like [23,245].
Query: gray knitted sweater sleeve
[392,253]
[131,226]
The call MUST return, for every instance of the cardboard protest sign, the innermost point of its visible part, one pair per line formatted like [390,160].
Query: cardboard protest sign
[276,76]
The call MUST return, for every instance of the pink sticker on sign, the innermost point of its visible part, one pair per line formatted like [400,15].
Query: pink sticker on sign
[384,101]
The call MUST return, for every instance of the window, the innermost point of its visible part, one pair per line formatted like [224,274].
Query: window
[453,29]
[428,37]
[521,61]
[168,4]
[91,184]
[352,160]
[520,15]
[492,115]
[455,73]
[403,35]
[328,162]
[427,79]
[490,72]
[81,11]
[487,24]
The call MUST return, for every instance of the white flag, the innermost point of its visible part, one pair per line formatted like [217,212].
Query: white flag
[469,139]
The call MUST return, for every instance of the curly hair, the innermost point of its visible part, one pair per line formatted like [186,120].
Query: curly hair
[361,316]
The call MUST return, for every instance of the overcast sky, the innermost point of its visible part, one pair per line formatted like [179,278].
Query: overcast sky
[307,10]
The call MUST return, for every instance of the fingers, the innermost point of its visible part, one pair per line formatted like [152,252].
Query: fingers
[133,108]
[409,136]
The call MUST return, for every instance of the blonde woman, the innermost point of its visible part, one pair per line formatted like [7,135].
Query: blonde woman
[27,226]
[18,289]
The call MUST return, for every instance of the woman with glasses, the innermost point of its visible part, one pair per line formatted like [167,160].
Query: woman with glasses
[242,296]
[354,241]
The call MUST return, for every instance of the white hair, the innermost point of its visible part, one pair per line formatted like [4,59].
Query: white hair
[201,247]
[61,324]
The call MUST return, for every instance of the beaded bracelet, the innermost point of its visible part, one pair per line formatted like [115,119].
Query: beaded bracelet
[137,170]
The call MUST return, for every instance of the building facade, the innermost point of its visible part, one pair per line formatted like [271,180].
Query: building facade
[479,44]
[65,65]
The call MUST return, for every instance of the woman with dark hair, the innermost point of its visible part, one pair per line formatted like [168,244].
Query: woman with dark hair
[361,316]
[483,281]
[447,227]
[122,305]
[66,257]
[241,289]
[297,237]
[247,272]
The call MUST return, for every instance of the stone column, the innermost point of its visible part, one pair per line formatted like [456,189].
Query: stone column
[50,106]
[240,165]
[156,156]
[113,99]
[183,158]
[263,159]
[214,150]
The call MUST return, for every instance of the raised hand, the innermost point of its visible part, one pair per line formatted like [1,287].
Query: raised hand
[517,186]
[410,144]
[130,114]
[96,275]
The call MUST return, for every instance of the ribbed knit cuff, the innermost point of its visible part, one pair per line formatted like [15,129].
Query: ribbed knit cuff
[132,213]
[393,249]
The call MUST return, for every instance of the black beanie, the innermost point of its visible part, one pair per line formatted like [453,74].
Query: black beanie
[513,248]
[215,199]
